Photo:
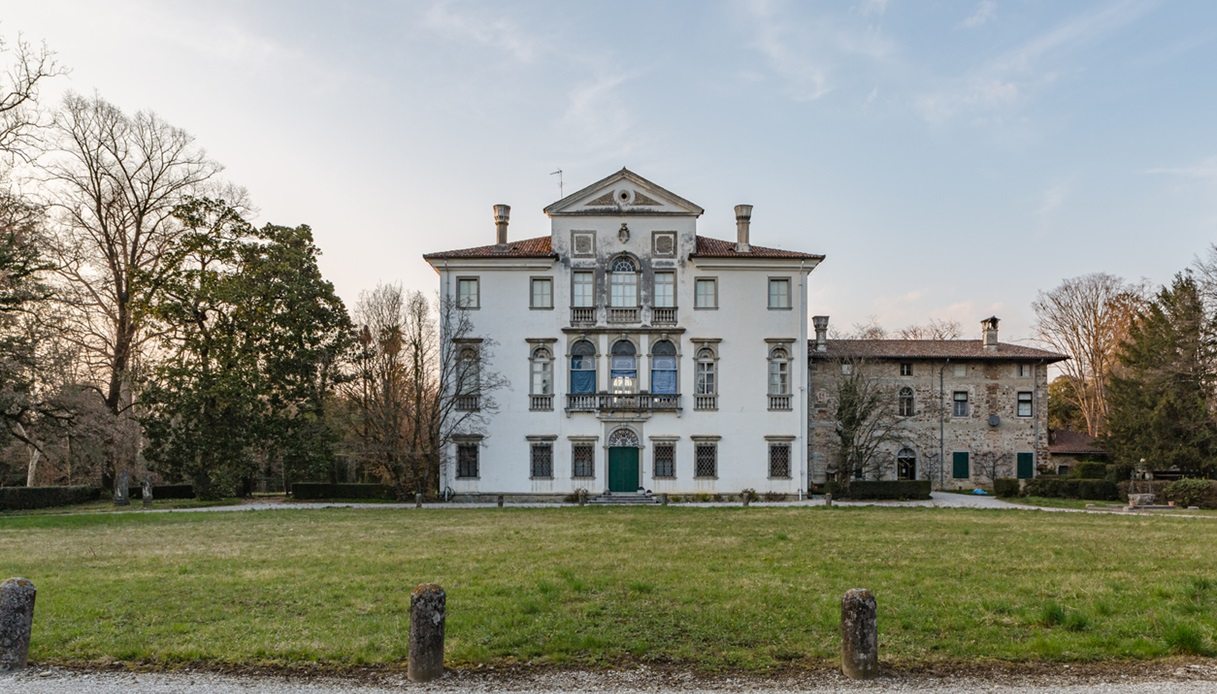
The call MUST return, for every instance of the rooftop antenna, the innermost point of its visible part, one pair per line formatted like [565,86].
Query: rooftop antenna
[561,186]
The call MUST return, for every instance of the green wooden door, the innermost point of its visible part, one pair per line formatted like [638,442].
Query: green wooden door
[1026,466]
[959,465]
[623,470]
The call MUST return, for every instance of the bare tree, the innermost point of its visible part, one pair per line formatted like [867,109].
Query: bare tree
[865,423]
[113,181]
[1087,318]
[994,465]
[936,329]
[20,118]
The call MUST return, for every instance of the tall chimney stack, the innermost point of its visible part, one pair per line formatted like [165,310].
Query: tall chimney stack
[743,218]
[821,323]
[502,213]
[988,331]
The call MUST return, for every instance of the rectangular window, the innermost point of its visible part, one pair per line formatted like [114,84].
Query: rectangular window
[705,459]
[665,459]
[1024,403]
[467,461]
[583,460]
[779,460]
[779,292]
[906,369]
[542,460]
[959,465]
[467,295]
[705,292]
[961,371]
[583,289]
[541,293]
[665,289]
[1025,370]
[961,403]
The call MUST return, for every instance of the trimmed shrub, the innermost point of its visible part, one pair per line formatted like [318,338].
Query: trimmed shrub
[325,490]
[13,498]
[1006,487]
[1093,489]
[1192,492]
[880,489]
[1088,470]
[164,491]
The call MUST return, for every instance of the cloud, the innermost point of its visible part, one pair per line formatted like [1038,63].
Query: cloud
[873,8]
[598,117]
[984,11]
[1054,198]
[480,27]
[1203,170]
[806,79]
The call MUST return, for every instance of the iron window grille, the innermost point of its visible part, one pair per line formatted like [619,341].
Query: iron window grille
[705,460]
[583,460]
[542,460]
[665,460]
[467,461]
[779,460]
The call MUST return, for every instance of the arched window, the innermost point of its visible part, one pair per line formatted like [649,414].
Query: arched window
[582,367]
[623,437]
[906,464]
[707,372]
[542,371]
[663,368]
[779,371]
[906,402]
[623,283]
[623,370]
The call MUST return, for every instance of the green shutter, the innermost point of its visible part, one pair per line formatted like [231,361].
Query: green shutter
[959,465]
[1026,466]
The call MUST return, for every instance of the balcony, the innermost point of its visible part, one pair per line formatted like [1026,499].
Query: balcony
[541,403]
[467,403]
[705,403]
[617,314]
[663,315]
[780,402]
[622,402]
[583,315]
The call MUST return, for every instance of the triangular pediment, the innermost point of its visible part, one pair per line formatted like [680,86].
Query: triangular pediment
[624,192]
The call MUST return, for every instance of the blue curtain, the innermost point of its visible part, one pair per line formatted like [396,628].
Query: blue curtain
[582,381]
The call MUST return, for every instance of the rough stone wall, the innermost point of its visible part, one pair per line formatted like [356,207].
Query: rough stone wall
[992,388]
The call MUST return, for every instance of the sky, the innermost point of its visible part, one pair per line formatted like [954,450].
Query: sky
[952,159]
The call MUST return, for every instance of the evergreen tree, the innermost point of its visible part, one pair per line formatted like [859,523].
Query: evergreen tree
[1161,402]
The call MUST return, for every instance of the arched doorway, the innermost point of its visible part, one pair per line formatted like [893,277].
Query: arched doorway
[906,464]
[624,474]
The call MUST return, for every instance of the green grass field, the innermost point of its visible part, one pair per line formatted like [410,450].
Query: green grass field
[707,589]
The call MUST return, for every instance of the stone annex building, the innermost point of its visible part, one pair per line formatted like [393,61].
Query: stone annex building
[642,356]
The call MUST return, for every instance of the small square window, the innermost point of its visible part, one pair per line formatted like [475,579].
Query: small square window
[467,293]
[906,369]
[541,294]
[583,460]
[779,293]
[467,461]
[542,460]
[1024,403]
[705,459]
[961,371]
[1025,370]
[705,293]
[779,460]
[961,404]
[665,460]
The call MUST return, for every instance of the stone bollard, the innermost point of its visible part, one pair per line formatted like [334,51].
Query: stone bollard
[500,501]
[145,493]
[828,499]
[427,605]
[418,500]
[121,489]
[663,499]
[16,622]
[581,497]
[859,635]
[747,500]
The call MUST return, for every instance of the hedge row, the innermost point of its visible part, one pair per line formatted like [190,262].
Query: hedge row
[881,489]
[164,491]
[13,498]
[1094,489]
[325,490]
[1006,487]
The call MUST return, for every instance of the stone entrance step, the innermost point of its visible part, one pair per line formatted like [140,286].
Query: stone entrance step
[620,499]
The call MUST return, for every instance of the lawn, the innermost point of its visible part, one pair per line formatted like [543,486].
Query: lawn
[707,589]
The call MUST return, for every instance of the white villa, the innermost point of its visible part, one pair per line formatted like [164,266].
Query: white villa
[641,356]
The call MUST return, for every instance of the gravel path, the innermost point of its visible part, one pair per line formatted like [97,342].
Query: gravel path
[1184,679]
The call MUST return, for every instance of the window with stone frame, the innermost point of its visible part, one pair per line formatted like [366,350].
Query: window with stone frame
[905,402]
[468,294]
[467,460]
[1025,408]
[705,459]
[623,283]
[665,290]
[960,401]
[707,372]
[779,460]
[583,460]
[779,292]
[541,293]
[906,369]
[705,292]
[583,289]
[664,453]
[541,367]
[779,371]
[542,460]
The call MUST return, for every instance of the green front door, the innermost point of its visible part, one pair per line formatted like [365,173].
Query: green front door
[1026,466]
[623,470]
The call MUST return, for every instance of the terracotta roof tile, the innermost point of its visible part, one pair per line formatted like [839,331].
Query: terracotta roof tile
[720,248]
[930,349]
[1070,442]
[537,247]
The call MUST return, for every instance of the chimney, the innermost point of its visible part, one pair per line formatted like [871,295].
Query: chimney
[988,330]
[502,213]
[821,323]
[743,217]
